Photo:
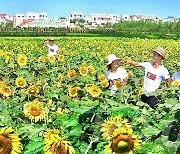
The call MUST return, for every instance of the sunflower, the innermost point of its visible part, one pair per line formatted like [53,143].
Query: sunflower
[60,58]
[118,84]
[83,65]
[35,110]
[20,82]
[50,133]
[73,91]
[56,145]
[91,69]
[9,141]
[95,91]
[144,54]
[130,74]
[41,59]
[111,124]
[101,77]
[22,60]
[59,78]
[60,110]
[72,73]
[83,71]
[125,144]
[52,59]
[88,87]
[32,90]
[140,92]
[6,91]
[2,84]
[176,83]
[104,83]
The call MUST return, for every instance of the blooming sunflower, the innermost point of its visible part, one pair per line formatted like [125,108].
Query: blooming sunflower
[52,59]
[83,71]
[50,133]
[91,69]
[88,87]
[20,82]
[125,144]
[111,124]
[60,58]
[118,84]
[104,83]
[95,91]
[35,110]
[60,78]
[72,73]
[130,74]
[73,91]
[6,91]
[101,77]
[32,90]
[41,59]
[9,141]
[176,83]
[22,60]
[54,144]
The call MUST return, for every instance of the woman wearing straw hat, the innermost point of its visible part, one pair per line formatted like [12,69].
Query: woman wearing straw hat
[115,73]
[154,73]
[52,47]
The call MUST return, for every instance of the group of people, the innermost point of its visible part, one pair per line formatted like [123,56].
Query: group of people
[155,71]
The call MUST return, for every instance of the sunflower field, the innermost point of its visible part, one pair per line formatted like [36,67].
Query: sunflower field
[62,104]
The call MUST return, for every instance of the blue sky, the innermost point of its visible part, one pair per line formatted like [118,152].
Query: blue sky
[61,8]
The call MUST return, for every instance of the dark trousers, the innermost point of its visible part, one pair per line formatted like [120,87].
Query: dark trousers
[151,100]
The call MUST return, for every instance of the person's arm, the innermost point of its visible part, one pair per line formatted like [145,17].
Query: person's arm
[125,80]
[133,63]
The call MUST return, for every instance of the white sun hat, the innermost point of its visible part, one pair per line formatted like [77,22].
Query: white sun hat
[112,58]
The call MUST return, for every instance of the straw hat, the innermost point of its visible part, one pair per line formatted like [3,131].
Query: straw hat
[51,39]
[112,58]
[160,51]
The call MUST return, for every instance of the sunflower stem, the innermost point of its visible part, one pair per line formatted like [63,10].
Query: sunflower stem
[90,144]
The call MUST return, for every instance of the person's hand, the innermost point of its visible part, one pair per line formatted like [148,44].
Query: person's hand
[163,88]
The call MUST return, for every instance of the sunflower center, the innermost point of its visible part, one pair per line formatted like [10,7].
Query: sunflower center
[60,148]
[5,145]
[122,145]
[73,91]
[35,111]
[6,90]
[21,83]
[95,91]
[22,60]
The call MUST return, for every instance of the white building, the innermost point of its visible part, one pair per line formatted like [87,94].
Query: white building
[38,20]
[125,17]
[76,15]
[101,19]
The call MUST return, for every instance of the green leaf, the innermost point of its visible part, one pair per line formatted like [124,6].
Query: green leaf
[35,146]
[150,131]
[74,131]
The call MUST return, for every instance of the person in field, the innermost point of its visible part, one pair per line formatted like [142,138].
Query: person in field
[115,74]
[52,47]
[155,71]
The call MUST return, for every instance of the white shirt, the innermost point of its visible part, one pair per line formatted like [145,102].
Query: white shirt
[52,49]
[119,75]
[176,76]
[153,76]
